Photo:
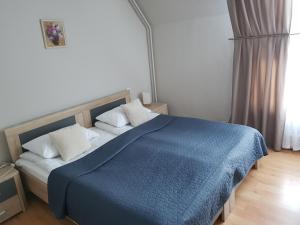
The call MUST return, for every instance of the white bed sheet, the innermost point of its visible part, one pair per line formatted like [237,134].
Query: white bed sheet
[41,168]
[111,129]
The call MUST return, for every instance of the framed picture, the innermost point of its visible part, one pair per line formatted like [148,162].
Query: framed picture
[53,33]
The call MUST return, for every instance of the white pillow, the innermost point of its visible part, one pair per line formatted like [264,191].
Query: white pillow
[31,157]
[70,141]
[115,117]
[111,129]
[137,113]
[90,134]
[42,146]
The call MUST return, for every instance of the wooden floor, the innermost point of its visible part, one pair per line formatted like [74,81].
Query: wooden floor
[269,196]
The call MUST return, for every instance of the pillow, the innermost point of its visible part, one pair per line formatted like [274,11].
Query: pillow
[70,141]
[111,129]
[115,117]
[42,146]
[90,134]
[31,157]
[136,113]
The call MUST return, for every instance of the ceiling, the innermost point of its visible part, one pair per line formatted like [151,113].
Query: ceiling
[168,11]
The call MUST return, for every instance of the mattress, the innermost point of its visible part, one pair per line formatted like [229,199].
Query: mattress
[41,168]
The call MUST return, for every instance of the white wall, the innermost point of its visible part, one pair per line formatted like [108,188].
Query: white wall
[106,52]
[193,55]
[194,66]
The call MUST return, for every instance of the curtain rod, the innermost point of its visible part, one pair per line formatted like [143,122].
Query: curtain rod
[261,36]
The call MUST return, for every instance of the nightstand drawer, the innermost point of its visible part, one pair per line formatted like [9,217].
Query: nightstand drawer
[9,208]
[7,190]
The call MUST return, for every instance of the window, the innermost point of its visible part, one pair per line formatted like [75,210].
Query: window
[291,138]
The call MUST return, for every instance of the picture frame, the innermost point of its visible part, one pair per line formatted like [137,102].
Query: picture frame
[54,35]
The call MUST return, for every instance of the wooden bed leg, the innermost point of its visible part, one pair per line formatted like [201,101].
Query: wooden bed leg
[232,200]
[228,207]
[226,211]
[256,165]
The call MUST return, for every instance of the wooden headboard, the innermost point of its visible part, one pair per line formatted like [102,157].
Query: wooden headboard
[83,114]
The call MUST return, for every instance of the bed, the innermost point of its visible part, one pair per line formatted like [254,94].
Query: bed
[182,196]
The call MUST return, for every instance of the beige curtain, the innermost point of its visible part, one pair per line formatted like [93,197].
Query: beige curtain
[261,30]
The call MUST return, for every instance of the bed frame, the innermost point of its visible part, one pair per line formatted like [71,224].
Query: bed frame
[85,115]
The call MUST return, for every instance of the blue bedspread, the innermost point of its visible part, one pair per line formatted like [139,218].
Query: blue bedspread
[168,171]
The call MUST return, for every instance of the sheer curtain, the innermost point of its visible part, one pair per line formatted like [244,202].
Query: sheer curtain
[291,137]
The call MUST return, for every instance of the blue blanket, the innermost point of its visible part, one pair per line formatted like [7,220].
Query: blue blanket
[168,171]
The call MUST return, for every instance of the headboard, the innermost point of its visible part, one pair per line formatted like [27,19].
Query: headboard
[84,114]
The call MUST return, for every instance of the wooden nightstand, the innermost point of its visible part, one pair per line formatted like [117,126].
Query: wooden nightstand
[160,108]
[12,197]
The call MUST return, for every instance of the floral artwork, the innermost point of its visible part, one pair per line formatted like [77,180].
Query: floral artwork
[53,33]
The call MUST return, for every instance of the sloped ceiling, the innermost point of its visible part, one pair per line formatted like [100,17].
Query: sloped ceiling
[168,11]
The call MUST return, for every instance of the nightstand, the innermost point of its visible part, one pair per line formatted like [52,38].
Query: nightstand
[160,108]
[12,196]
